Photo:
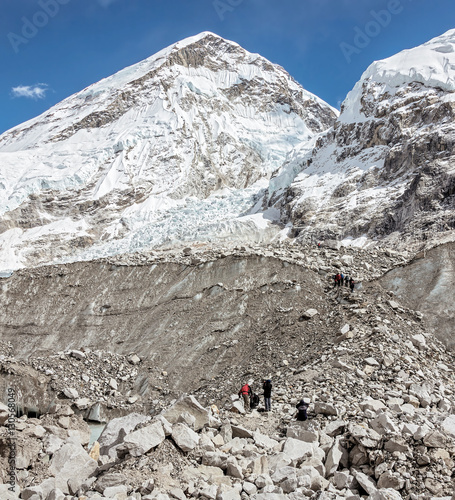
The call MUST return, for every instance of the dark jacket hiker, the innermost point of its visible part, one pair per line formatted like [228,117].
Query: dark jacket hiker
[267,386]
[302,408]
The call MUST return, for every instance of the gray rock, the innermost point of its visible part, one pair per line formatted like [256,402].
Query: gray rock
[145,439]
[71,462]
[422,392]
[297,450]
[116,430]
[435,439]
[109,480]
[32,492]
[309,314]
[383,424]
[241,432]
[333,458]
[327,409]
[4,414]
[390,480]
[365,481]
[184,437]
[386,494]
[335,428]
[448,425]
[119,492]
[299,430]
[70,393]
[191,405]
[56,495]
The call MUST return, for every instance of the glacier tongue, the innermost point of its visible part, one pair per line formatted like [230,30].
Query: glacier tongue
[175,148]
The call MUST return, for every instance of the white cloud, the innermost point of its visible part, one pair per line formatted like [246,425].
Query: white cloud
[32,92]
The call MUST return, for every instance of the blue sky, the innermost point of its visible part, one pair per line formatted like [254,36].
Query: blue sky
[50,49]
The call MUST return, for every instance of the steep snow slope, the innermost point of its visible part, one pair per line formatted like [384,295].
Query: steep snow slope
[386,169]
[176,147]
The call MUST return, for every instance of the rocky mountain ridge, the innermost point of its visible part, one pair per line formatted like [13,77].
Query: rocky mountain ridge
[385,172]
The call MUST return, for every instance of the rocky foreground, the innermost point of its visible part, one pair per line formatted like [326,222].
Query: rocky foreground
[381,425]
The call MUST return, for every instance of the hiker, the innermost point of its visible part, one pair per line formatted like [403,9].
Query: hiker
[341,279]
[351,285]
[246,393]
[347,281]
[319,245]
[267,386]
[337,279]
[302,407]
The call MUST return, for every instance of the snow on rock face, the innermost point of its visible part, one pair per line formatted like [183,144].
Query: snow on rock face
[175,147]
[431,64]
[386,169]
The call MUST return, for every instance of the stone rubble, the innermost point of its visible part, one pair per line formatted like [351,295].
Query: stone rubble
[381,421]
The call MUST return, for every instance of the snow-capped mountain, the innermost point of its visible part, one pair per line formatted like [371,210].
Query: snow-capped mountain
[176,147]
[386,169]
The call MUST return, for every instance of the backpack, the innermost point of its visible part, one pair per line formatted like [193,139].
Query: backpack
[254,400]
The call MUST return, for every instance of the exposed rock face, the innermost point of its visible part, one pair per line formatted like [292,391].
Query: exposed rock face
[132,161]
[385,170]
[426,285]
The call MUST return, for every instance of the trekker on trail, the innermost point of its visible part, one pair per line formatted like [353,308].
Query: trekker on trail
[337,278]
[267,386]
[341,279]
[347,281]
[246,393]
[351,285]
[302,407]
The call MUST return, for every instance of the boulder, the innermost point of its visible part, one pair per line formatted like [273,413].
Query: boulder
[109,480]
[241,432]
[343,479]
[434,439]
[335,428]
[372,405]
[448,425]
[299,430]
[422,393]
[145,439]
[70,393]
[191,405]
[333,458]
[71,462]
[263,441]
[187,419]
[309,314]
[327,409]
[116,430]
[368,438]
[418,341]
[184,437]
[390,480]
[365,481]
[386,494]
[98,413]
[297,450]
[4,414]
[397,444]
[383,424]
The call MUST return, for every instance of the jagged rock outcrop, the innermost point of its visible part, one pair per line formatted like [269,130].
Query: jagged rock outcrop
[385,170]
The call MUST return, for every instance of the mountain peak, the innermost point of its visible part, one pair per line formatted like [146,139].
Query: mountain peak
[175,147]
